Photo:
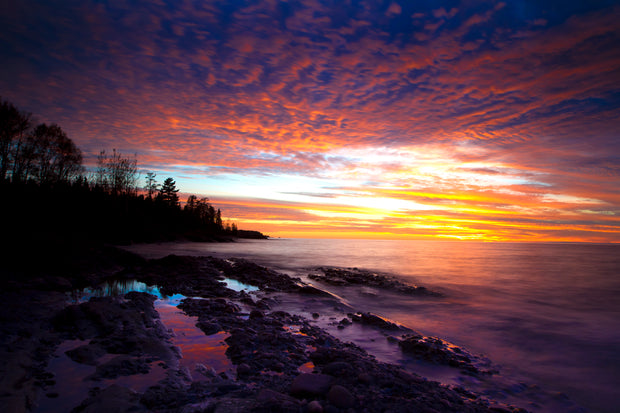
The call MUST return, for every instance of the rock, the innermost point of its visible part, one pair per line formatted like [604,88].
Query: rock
[376,321]
[311,384]
[206,371]
[208,327]
[364,378]
[114,398]
[122,365]
[314,407]
[254,314]
[273,401]
[243,370]
[315,315]
[337,369]
[340,397]
[268,395]
[86,354]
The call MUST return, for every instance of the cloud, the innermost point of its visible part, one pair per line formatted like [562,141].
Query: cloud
[525,103]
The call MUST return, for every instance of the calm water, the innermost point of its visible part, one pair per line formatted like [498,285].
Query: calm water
[547,314]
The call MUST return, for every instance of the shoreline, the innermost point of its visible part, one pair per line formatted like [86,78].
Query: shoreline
[283,361]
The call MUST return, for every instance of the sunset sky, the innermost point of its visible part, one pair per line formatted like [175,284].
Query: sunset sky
[375,119]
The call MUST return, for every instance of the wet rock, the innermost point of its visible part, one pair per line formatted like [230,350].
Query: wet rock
[356,276]
[376,321]
[209,327]
[86,354]
[438,351]
[114,398]
[121,366]
[311,384]
[243,369]
[233,405]
[256,314]
[206,371]
[268,396]
[338,369]
[340,397]
[314,407]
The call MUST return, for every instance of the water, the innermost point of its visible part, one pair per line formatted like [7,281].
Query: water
[198,351]
[547,314]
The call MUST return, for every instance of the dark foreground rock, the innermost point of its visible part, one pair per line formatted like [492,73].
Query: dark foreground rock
[282,362]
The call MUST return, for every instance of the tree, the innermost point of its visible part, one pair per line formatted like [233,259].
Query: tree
[13,125]
[117,174]
[54,156]
[218,219]
[168,193]
[151,184]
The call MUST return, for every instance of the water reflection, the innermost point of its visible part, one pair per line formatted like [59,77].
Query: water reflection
[201,355]
[239,286]
[118,288]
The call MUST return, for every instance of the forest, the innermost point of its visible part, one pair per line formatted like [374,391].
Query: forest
[49,196]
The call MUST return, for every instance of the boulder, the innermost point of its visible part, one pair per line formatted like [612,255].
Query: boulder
[311,384]
[340,397]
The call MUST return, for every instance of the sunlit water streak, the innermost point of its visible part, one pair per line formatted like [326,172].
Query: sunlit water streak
[547,314]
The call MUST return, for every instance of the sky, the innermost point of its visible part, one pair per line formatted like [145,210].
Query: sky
[472,120]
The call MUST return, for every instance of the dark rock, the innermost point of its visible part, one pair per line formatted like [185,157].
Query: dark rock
[356,276]
[209,327]
[86,354]
[376,321]
[311,384]
[256,314]
[340,397]
[314,407]
[338,368]
[121,366]
[438,351]
[243,369]
[114,398]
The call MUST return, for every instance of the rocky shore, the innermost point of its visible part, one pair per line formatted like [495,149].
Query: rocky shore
[282,361]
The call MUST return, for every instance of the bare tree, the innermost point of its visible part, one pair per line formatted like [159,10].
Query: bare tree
[151,184]
[50,155]
[13,125]
[116,173]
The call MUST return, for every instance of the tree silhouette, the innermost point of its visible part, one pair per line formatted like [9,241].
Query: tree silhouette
[151,184]
[116,173]
[13,125]
[168,193]
[55,156]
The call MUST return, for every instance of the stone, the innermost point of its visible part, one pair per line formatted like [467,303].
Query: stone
[206,371]
[337,368]
[256,314]
[340,397]
[243,369]
[114,398]
[314,407]
[86,354]
[311,384]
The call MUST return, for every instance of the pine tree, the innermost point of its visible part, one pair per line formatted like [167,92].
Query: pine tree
[168,193]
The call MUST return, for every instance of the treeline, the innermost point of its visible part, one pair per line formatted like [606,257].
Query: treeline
[48,195]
